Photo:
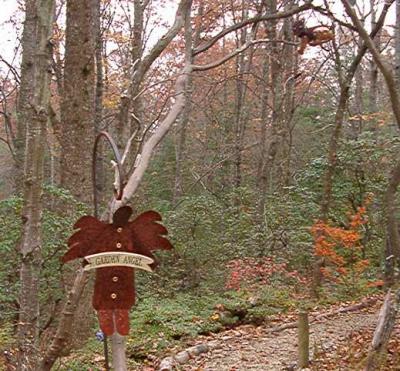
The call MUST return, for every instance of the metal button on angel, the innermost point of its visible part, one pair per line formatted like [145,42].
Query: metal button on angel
[113,249]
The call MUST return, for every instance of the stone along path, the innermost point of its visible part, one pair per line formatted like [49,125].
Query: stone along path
[249,348]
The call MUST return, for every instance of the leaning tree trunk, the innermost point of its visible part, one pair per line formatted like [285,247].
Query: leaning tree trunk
[376,358]
[31,243]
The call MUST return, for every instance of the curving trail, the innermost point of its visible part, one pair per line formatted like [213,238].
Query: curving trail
[249,349]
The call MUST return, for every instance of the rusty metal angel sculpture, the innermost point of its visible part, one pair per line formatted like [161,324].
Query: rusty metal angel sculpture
[114,250]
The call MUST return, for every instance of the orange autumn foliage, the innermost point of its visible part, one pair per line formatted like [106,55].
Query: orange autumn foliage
[341,246]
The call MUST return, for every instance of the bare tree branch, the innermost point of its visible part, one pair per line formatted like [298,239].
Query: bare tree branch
[384,68]
[236,52]
[164,41]
[239,25]
[155,139]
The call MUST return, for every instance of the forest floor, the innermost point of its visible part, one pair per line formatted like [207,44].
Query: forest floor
[338,341]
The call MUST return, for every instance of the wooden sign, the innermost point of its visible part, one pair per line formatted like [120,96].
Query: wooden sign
[112,259]
[114,250]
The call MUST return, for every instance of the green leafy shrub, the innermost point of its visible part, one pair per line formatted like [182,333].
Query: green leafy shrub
[59,214]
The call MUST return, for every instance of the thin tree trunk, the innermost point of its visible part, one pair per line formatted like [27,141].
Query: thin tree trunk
[26,89]
[241,69]
[262,176]
[98,110]
[130,102]
[358,100]
[397,43]
[373,88]
[289,56]
[30,249]
[276,93]
[181,145]
[392,253]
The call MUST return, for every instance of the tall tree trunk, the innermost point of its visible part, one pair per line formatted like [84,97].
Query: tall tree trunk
[181,145]
[262,176]
[373,88]
[78,101]
[26,89]
[392,246]
[276,94]
[77,118]
[98,110]
[397,43]
[239,117]
[290,65]
[30,249]
[358,102]
[130,101]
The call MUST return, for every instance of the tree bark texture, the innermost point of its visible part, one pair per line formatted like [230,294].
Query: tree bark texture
[180,150]
[25,94]
[276,96]
[397,43]
[130,101]
[78,101]
[288,104]
[376,358]
[373,87]
[36,108]
[240,116]
[98,111]
[78,105]
[63,332]
[392,248]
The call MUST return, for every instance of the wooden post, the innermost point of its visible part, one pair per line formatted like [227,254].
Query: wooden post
[118,352]
[303,340]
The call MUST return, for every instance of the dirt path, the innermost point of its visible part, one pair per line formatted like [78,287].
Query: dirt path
[247,348]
